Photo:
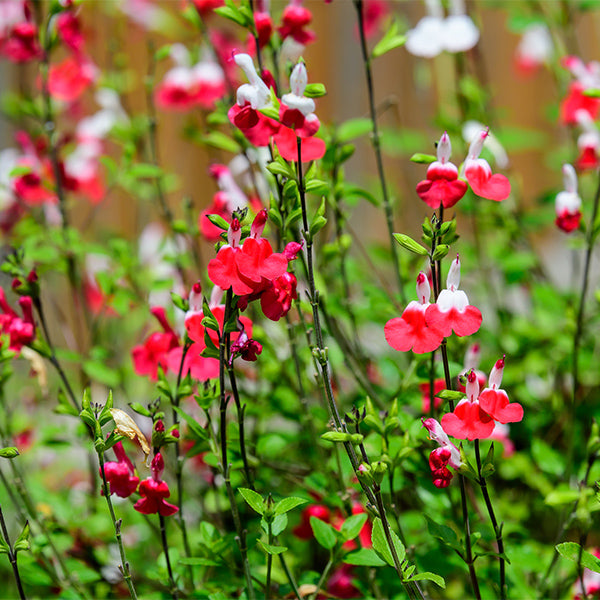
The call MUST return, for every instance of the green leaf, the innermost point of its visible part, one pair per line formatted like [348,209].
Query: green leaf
[365,557]
[570,550]
[280,167]
[270,549]
[427,576]
[9,452]
[198,432]
[218,221]
[288,504]
[423,159]
[22,542]
[352,129]
[315,90]
[559,497]
[352,525]
[337,436]
[392,39]
[144,171]
[440,251]
[232,13]
[217,139]
[279,524]
[317,224]
[99,371]
[317,187]
[451,395]
[254,499]
[380,544]
[442,532]
[592,93]
[413,246]
[325,534]
[4,547]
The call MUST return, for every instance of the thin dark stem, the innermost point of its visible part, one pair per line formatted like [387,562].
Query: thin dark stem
[52,358]
[468,550]
[590,238]
[241,410]
[124,566]
[165,545]
[358,4]
[179,460]
[224,400]
[269,565]
[12,556]
[290,577]
[497,530]
[320,351]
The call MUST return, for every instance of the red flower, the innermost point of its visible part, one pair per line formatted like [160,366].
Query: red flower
[438,386]
[469,421]
[294,19]
[568,202]
[442,186]
[287,143]
[340,583]
[277,299]
[69,31]
[21,331]
[154,491]
[494,400]
[68,79]
[452,311]
[264,28]
[249,268]
[21,44]
[304,530]
[479,173]
[410,331]
[154,352]
[120,475]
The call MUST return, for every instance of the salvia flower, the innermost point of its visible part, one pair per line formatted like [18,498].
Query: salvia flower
[442,186]
[494,400]
[568,202]
[410,331]
[21,331]
[120,475]
[452,311]
[469,421]
[433,33]
[588,142]
[586,77]
[294,20]
[479,173]
[154,491]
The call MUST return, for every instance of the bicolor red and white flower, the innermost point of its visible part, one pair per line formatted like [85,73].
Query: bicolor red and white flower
[568,202]
[20,330]
[410,331]
[452,311]
[494,400]
[120,474]
[442,186]
[587,76]
[479,174]
[446,455]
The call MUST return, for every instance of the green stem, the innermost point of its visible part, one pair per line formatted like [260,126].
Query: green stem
[165,545]
[124,566]
[358,4]
[241,534]
[497,530]
[269,563]
[12,556]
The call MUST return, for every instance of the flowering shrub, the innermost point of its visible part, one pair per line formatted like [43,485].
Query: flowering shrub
[235,393]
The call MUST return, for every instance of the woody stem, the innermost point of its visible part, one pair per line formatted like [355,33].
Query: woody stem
[165,545]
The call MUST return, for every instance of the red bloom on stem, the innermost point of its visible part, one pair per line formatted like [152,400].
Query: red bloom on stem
[249,268]
[340,584]
[286,140]
[469,421]
[568,202]
[120,475]
[294,19]
[22,43]
[438,386]
[69,30]
[21,331]
[154,352]
[587,77]
[263,24]
[479,173]
[277,299]
[250,98]
[304,530]
[68,79]
[411,331]
[442,186]
[154,491]
[441,458]
[452,311]
[494,400]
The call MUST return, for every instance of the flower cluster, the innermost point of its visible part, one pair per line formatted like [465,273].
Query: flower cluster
[20,330]
[297,118]
[422,326]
